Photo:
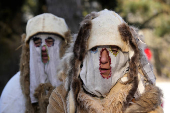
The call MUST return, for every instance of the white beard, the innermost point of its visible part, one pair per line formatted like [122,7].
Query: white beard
[40,72]
[93,81]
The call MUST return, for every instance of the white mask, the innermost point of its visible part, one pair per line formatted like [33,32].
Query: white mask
[44,72]
[93,81]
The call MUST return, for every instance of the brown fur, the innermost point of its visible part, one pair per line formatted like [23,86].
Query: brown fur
[90,104]
[64,72]
[147,102]
[75,85]
[65,62]
[118,100]
[128,38]
[42,95]
[79,50]
[65,44]
[81,42]
[90,16]
[112,103]
[24,76]
[134,61]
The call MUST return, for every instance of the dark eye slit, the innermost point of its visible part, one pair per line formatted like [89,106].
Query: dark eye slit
[36,38]
[94,49]
[50,38]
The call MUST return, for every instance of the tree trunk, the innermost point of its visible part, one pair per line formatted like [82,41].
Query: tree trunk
[70,10]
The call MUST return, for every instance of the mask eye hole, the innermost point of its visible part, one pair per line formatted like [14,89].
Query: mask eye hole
[114,49]
[94,50]
[37,41]
[49,41]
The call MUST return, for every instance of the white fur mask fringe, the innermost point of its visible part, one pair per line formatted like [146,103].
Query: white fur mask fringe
[93,81]
[40,72]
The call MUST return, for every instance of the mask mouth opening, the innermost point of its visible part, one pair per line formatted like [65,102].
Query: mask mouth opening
[105,64]
[44,54]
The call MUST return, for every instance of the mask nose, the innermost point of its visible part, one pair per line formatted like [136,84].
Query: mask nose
[43,48]
[104,57]
[44,54]
[105,68]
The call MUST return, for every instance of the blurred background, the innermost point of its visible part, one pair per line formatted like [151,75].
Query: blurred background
[151,17]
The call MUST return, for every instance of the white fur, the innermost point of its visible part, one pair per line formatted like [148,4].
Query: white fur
[141,86]
[66,61]
[71,104]
[124,79]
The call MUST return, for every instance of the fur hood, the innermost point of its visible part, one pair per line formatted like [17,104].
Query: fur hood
[73,81]
[80,49]
[25,77]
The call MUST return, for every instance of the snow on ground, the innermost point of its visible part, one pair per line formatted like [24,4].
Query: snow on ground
[165,86]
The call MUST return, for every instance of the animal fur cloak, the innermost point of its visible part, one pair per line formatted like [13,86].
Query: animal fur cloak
[71,97]
[40,92]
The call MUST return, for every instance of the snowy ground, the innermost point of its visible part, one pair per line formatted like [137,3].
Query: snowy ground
[165,86]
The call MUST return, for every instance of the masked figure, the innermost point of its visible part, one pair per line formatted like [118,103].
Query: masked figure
[47,37]
[108,72]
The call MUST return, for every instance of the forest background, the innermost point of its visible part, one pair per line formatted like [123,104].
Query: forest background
[151,17]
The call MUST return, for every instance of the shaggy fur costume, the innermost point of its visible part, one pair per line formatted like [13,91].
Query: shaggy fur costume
[113,103]
[75,84]
[25,81]
[74,99]
[65,62]
[60,102]
[80,49]
[134,32]
[147,102]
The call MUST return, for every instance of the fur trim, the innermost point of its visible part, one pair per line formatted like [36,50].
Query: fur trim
[65,43]
[79,50]
[65,62]
[147,102]
[24,76]
[135,34]
[75,85]
[70,101]
[112,103]
[90,104]
[90,16]
[63,72]
[134,61]
[43,96]
[80,46]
